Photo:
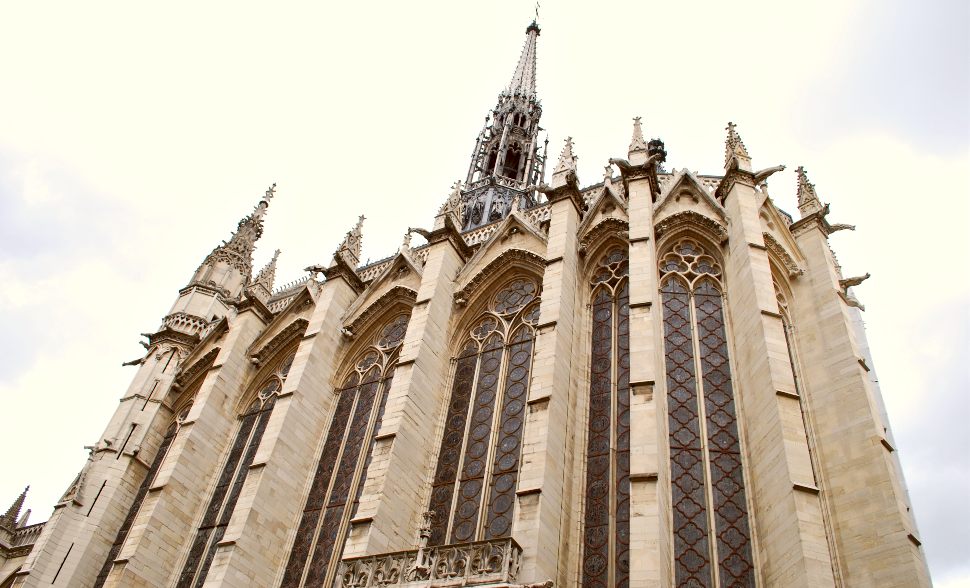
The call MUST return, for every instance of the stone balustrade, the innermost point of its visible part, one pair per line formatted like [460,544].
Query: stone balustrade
[483,562]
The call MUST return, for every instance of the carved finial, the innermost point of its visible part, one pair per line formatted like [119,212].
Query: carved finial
[637,143]
[808,202]
[406,242]
[238,250]
[263,204]
[10,518]
[608,175]
[349,248]
[566,165]
[453,205]
[734,149]
[267,275]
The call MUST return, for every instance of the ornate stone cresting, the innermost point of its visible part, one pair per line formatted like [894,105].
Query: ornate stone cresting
[808,202]
[482,562]
[238,250]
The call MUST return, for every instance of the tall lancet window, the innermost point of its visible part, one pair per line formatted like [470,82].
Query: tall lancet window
[218,511]
[342,469]
[473,491]
[710,520]
[140,496]
[606,508]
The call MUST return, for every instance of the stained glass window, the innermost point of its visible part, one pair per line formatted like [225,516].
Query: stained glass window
[337,485]
[221,504]
[473,489]
[606,504]
[710,520]
[140,497]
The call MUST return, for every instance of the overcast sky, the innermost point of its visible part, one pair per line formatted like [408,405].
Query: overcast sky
[133,138]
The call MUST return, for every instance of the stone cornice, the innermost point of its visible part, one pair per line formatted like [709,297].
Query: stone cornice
[293,331]
[452,235]
[397,294]
[733,176]
[188,374]
[511,257]
[170,335]
[630,172]
[341,269]
[256,305]
[568,191]
[790,264]
[695,220]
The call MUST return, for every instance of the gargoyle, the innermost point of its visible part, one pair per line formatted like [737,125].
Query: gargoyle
[849,282]
[840,227]
[761,176]
[314,270]
[423,232]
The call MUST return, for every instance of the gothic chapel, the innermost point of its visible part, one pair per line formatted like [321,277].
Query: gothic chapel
[659,379]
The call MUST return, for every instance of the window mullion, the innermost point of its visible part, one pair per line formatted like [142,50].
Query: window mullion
[705,442]
[469,413]
[493,437]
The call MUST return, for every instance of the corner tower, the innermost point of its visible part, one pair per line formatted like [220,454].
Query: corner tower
[506,164]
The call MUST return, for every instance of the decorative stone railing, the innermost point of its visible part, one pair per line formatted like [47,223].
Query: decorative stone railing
[185,323]
[483,562]
[27,535]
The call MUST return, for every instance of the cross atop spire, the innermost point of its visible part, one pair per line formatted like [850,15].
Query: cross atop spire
[637,143]
[349,249]
[734,149]
[524,79]
[808,202]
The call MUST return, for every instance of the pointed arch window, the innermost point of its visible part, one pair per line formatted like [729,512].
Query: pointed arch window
[342,469]
[222,503]
[513,156]
[122,535]
[606,509]
[473,490]
[710,520]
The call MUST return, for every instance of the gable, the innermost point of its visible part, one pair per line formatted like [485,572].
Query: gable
[685,192]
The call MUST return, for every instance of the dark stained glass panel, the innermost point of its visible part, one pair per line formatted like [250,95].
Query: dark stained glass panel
[735,565]
[691,547]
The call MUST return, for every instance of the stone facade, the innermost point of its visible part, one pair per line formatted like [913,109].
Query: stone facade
[656,380]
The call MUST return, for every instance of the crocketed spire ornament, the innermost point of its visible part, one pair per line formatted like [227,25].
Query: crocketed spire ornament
[637,143]
[267,275]
[734,149]
[10,518]
[808,202]
[524,79]
[238,250]
[566,166]
[349,249]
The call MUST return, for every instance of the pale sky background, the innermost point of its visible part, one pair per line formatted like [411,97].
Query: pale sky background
[133,138]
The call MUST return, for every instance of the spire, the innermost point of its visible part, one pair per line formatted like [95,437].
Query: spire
[637,143]
[524,78]
[808,202]
[267,275]
[566,165]
[349,249]
[11,517]
[238,250]
[734,149]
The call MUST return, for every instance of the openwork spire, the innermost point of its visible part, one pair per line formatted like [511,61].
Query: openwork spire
[808,202]
[734,149]
[10,518]
[524,79]
[267,275]
[238,250]
[349,249]
[637,143]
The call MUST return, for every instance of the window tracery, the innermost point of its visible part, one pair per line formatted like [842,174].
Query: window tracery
[478,460]
[606,538]
[339,477]
[710,520]
[123,531]
[222,503]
